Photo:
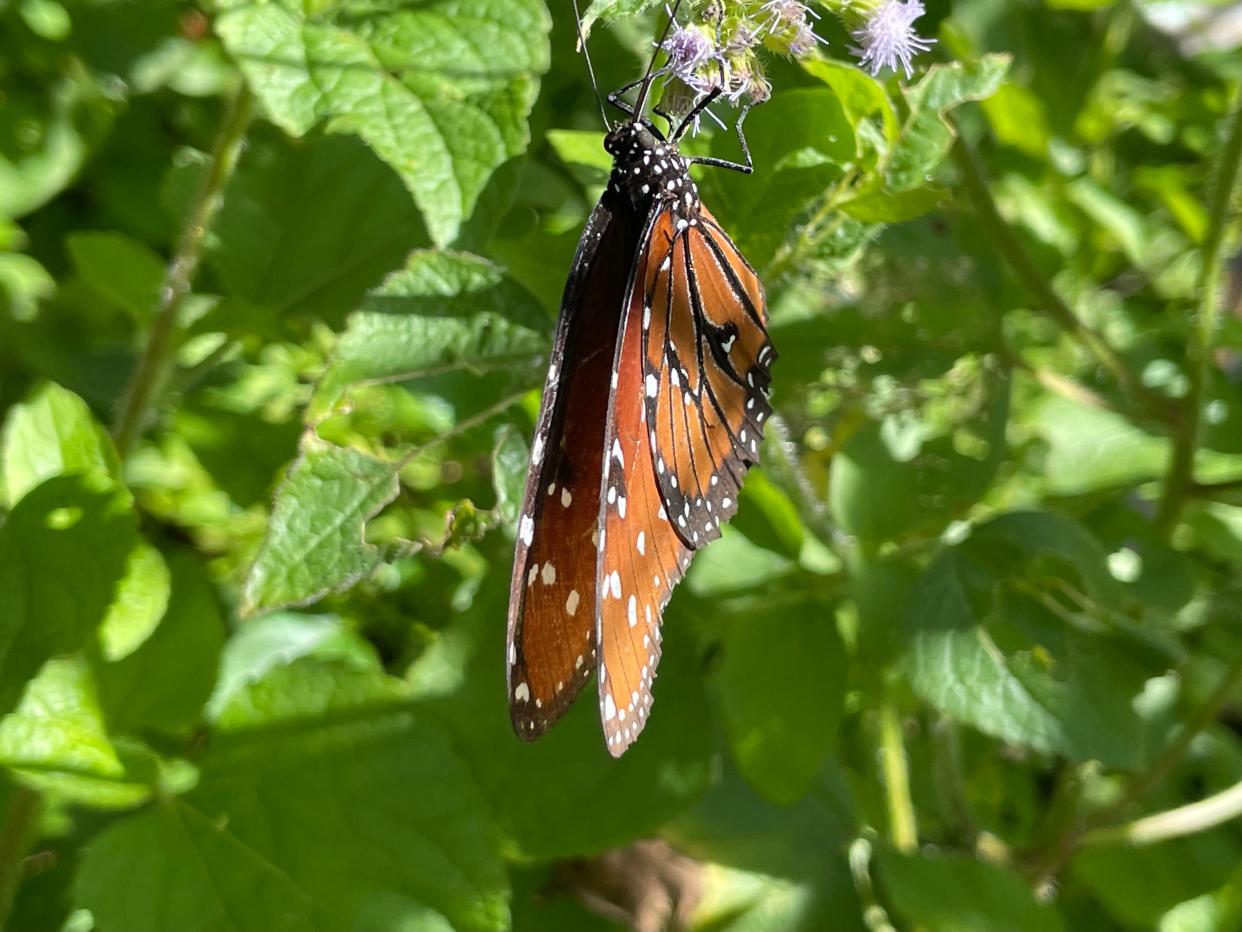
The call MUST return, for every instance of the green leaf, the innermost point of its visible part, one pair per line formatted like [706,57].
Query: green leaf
[799,141]
[781,685]
[441,91]
[608,10]
[56,741]
[53,433]
[1126,224]
[1139,885]
[540,790]
[315,541]
[306,229]
[24,283]
[58,123]
[1019,119]
[884,485]
[58,725]
[63,550]
[962,894]
[925,137]
[442,311]
[140,602]
[255,689]
[122,271]
[1011,632]
[510,461]
[583,152]
[1091,449]
[861,95]
[375,824]
[165,681]
[875,205]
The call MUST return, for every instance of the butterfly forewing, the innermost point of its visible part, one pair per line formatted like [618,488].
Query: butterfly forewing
[552,595]
[706,362]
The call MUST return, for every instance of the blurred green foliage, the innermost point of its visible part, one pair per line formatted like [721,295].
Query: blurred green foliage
[981,607]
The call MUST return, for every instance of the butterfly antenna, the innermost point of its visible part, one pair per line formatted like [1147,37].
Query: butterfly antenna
[590,68]
[642,94]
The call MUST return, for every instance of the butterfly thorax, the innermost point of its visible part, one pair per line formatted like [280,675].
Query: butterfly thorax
[647,169]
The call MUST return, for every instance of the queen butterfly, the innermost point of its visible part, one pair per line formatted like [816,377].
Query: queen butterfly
[653,410]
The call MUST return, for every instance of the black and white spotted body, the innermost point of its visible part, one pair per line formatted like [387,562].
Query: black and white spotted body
[648,170]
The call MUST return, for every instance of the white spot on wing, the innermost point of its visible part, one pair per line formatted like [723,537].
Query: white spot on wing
[571,608]
[521,692]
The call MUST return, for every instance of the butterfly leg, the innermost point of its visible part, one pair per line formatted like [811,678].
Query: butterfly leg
[616,100]
[746,168]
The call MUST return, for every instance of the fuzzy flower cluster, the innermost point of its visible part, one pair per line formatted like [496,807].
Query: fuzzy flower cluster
[886,37]
[721,50]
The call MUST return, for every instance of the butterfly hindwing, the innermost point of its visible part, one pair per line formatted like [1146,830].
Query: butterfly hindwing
[551,650]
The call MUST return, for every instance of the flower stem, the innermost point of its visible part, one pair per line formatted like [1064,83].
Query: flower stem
[1023,266]
[151,373]
[15,836]
[1179,481]
[903,831]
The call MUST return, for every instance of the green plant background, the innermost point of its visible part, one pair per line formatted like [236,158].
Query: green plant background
[277,283]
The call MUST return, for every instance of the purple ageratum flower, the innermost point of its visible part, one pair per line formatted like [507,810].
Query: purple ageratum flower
[785,13]
[887,38]
[687,49]
[787,26]
[804,41]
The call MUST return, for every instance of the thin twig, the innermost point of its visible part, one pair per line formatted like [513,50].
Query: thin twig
[1180,477]
[1010,248]
[15,837]
[1174,823]
[1213,489]
[151,373]
[460,428]
[788,474]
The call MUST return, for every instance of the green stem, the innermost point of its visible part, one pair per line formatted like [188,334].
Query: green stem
[788,474]
[1098,826]
[794,252]
[950,785]
[1010,247]
[1173,754]
[151,373]
[903,831]
[15,836]
[1179,481]
[1184,820]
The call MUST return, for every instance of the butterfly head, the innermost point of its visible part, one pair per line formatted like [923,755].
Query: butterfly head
[649,168]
